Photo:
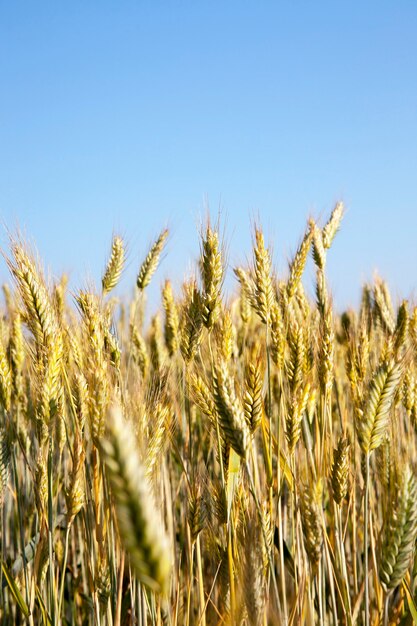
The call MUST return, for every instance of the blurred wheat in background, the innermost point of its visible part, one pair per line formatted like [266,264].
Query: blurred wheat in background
[247,459]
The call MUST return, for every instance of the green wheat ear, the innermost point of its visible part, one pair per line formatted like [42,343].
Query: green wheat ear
[400,531]
[140,522]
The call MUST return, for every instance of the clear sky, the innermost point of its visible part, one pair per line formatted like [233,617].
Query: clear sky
[127,116]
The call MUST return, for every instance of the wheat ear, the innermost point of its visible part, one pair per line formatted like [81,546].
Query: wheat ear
[211,266]
[231,416]
[400,532]
[373,419]
[264,293]
[340,470]
[149,265]
[140,522]
[114,266]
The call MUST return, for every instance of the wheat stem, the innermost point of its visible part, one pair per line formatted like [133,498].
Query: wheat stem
[366,540]
[64,567]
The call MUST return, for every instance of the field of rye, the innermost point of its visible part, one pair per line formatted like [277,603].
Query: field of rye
[245,458]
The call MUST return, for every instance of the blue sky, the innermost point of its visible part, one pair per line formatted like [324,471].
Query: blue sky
[127,116]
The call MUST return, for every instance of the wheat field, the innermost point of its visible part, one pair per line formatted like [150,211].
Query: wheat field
[235,458]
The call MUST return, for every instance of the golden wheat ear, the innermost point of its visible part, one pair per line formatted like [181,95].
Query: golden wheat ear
[298,264]
[330,229]
[5,379]
[372,422]
[150,264]
[262,266]
[229,409]
[114,266]
[253,398]
[211,268]
[5,462]
[140,522]
[191,322]
[74,495]
[310,501]
[340,470]
[254,572]
[171,328]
